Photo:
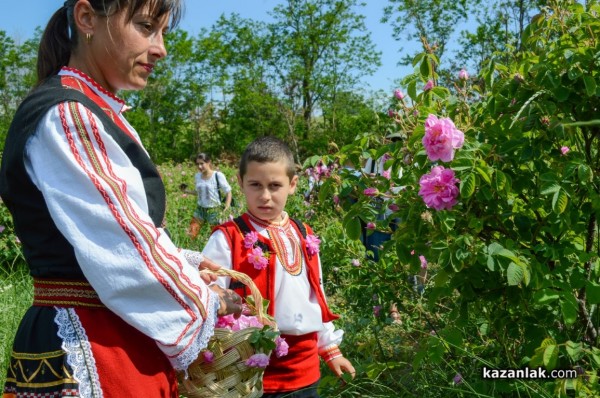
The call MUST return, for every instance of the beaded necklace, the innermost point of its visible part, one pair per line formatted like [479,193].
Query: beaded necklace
[276,232]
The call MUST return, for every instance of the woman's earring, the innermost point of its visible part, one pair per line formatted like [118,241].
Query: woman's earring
[88,38]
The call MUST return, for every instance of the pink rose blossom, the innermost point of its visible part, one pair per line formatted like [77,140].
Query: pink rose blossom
[225,322]
[564,150]
[391,113]
[376,309]
[2,228]
[386,174]
[257,259]
[393,207]
[208,356]
[441,138]
[258,361]
[281,347]
[439,188]
[463,74]
[398,94]
[245,321]
[336,200]
[356,262]
[370,225]
[312,244]
[370,191]
[423,262]
[250,239]
[428,86]
[412,252]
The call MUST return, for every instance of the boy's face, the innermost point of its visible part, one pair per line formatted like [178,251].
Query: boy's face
[266,187]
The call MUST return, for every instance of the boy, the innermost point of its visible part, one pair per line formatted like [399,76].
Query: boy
[281,257]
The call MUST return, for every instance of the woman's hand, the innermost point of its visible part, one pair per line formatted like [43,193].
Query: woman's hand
[208,264]
[231,302]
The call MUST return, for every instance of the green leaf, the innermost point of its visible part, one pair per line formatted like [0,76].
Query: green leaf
[467,186]
[484,175]
[499,181]
[545,296]
[514,274]
[353,227]
[575,350]
[425,68]
[551,356]
[585,173]
[568,306]
[560,201]
[590,85]
[550,189]
[592,291]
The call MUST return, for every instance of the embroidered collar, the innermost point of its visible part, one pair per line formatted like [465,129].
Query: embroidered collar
[116,103]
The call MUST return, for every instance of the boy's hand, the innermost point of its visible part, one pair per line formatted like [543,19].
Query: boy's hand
[341,365]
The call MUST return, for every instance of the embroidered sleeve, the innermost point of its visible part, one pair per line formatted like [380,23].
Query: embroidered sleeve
[330,352]
[98,202]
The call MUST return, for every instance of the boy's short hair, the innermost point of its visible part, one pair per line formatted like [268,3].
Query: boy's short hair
[265,150]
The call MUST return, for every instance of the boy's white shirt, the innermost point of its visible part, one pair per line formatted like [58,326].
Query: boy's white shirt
[297,310]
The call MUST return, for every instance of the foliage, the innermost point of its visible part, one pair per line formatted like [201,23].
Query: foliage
[513,272]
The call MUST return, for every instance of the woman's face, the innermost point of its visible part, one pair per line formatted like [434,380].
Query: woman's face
[123,53]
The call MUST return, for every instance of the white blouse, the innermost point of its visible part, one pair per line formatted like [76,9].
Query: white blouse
[208,194]
[97,200]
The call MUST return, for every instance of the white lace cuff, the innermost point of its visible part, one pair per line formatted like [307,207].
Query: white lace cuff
[193,257]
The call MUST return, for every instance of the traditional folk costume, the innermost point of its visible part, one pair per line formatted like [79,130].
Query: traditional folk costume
[117,307]
[293,285]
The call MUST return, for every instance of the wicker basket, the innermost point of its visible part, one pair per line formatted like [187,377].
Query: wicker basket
[227,375]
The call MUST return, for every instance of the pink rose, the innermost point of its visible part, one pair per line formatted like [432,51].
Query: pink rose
[439,188]
[257,259]
[564,150]
[312,244]
[258,361]
[428,86]
[441,138]
[356,262]
[423,262]
[208,356]
[371,225]
[370,191]
[463,75]
[250,239]
[281,347]
[398,94]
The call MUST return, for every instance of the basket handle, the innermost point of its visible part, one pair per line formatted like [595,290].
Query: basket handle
[256,296]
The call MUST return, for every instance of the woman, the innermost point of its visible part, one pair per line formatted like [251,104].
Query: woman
[210,184]
[117,307]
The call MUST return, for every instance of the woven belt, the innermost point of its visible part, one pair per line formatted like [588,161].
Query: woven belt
[64,293]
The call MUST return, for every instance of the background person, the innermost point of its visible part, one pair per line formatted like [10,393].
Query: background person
[281,256]
[117,307]
[209,185]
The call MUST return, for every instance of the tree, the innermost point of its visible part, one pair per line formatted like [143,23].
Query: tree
[319,47]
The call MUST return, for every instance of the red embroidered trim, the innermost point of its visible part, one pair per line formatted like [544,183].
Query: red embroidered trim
[275,232]
[93,83]
[64,293]
[330,353]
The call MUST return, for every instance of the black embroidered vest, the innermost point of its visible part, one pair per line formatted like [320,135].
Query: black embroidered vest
[47,252]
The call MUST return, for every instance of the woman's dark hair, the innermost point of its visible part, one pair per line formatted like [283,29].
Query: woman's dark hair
[205,157]
[60,36]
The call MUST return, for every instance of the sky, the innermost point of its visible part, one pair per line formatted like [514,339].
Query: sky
[20,18]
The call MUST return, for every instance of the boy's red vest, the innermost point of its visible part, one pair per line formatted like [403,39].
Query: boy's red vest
[265,279]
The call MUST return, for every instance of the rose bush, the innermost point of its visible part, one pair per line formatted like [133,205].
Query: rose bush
[508,225]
